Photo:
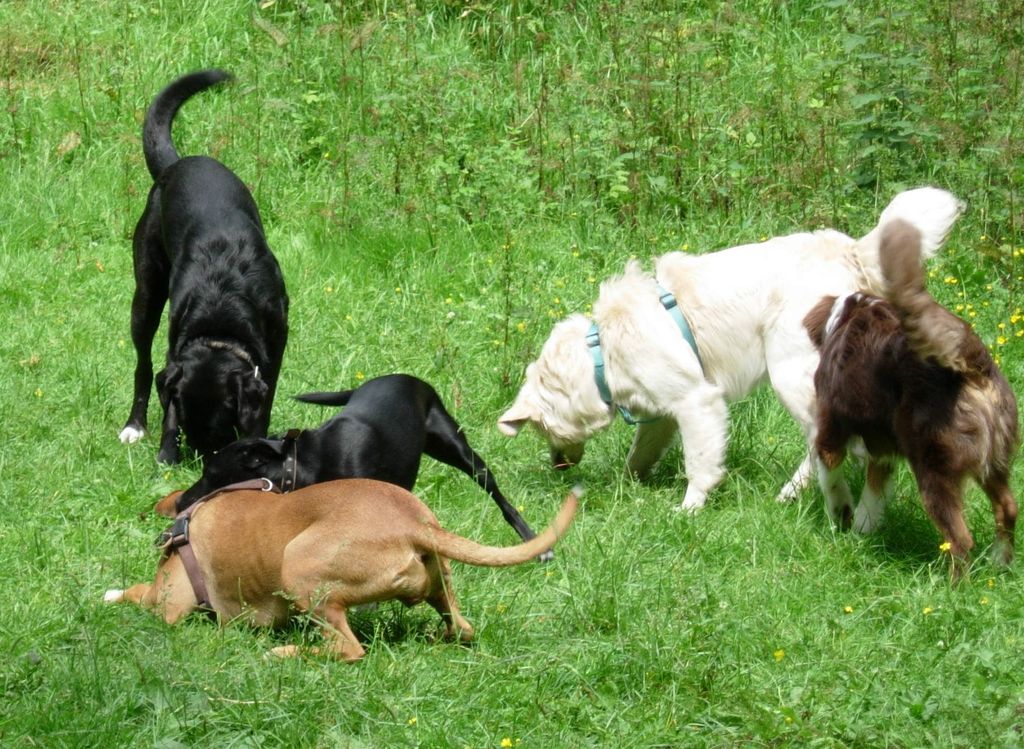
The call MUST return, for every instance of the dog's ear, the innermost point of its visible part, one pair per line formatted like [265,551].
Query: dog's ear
[167,382]
[251,392]
[816,319]
[253,456]
[512,421]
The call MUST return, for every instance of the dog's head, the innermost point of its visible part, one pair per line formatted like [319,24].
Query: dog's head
[560,398]
[215,396]
[241,460]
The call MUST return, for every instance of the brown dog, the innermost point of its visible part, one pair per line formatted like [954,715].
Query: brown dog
[910,378]
[324,549]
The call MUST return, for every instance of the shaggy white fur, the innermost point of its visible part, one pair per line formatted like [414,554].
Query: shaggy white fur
[746,307]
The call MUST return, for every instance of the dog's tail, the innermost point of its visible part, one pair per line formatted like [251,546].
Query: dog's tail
[449,545]
[932,331]
[340,398]
[929,210]
[157,145]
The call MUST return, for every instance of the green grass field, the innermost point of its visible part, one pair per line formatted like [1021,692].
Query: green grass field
[441,181]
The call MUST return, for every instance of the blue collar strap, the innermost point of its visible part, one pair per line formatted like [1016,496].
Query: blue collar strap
[672,307]
[668,301]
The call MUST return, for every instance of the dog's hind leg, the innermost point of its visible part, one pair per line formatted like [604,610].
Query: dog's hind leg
[702,417]
[649,444]
[1004,509]
[446,443]
[875,496]
[830,452]
[441,596]
[943,500]
[792,376]
[341,641]
[838,499]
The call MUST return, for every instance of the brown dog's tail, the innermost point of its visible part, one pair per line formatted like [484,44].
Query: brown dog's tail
[449,545]
[932,331]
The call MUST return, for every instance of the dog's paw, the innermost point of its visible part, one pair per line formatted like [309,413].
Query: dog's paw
[114,595]
[688,508]
[130,435]
[1002,554]
[867,518]
[283,651]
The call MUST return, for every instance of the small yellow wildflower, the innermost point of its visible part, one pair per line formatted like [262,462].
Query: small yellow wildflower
[360,375]
[991,582]
[945,546]
[39,392]
[779,654]
[398,289]
[412,721]
[984,601]
[848,609]
[949,280]
[506,742]
[520,326]
[927,610]
[1001,340]
[328,289]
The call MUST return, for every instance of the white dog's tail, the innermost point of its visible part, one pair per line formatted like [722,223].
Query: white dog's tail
[929,210]
[449,545]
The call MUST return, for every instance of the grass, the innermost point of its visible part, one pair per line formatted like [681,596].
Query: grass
[440,182]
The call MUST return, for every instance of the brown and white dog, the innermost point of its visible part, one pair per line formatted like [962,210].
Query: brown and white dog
[745,306]
[323,549]
[910,378]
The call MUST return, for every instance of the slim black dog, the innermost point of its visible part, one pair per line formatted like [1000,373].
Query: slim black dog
[388,424]
[200,243]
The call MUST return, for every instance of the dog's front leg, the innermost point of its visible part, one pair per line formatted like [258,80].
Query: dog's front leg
[169,437]
[151,273]
[649,444]
[799,480]
[703,424]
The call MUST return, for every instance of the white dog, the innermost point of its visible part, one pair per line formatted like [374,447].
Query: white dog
[745,306]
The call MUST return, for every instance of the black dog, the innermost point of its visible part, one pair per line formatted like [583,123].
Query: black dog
[200,243]
[387,425]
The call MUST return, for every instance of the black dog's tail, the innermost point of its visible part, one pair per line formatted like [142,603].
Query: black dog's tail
[932,331]
[340,398]
[156,130]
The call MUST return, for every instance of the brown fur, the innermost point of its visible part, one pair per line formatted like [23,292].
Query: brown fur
[323,549]
[911,378]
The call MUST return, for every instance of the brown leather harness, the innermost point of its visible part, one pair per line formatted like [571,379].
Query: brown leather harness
[176,537]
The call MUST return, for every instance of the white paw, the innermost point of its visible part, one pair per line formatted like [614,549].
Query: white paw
[788,493]
[866,518]
[114,595]
[131,435]
[690,508]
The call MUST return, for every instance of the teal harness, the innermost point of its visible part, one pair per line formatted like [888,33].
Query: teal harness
[668,301]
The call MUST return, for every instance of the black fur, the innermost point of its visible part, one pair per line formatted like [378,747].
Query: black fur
[200,243]
[388,424]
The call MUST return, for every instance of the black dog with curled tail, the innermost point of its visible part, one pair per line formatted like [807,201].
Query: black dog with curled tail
[200,243]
